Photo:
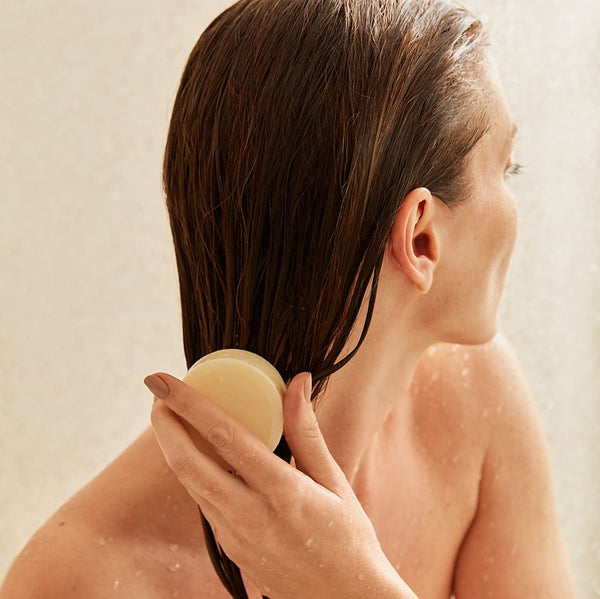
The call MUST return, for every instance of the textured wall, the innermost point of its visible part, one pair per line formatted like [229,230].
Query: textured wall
[89,297]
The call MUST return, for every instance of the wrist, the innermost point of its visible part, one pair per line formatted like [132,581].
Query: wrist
[393,586]
[384,583]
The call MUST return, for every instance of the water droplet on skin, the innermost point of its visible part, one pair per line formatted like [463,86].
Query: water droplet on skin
[454,348]
[361,576]
[173,547]
[330,524]
[263,560]
[101,541]
[174,567]
[499,409]
[484,414]
[138,573]
[466,355]
[455,459]
[435,376]
[464,372]
[116,584]
[267,589]
[309,542]
[350,519]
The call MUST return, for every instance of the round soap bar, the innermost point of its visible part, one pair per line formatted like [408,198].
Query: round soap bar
[245,385]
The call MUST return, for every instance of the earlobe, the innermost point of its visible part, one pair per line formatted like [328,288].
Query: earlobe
[413,238]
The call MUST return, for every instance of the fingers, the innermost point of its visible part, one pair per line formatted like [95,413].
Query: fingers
[246,455]
[206,481]
[306,441]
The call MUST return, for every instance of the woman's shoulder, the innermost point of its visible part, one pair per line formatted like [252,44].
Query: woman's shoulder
[486,374]
[127,530]
[68,559]
[55,562]
[471,391]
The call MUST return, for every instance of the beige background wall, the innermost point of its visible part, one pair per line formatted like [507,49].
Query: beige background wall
[89,298]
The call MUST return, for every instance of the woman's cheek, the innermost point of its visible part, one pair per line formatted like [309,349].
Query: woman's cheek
[510,232]
[513,223]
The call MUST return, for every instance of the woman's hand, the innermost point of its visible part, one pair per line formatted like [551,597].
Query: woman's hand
[295,532]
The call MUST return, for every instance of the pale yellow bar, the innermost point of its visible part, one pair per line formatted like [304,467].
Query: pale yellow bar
[247,387]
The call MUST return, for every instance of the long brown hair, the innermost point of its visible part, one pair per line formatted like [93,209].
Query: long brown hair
[298,128]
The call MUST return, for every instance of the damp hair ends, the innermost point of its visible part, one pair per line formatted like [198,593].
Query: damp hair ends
[297,129]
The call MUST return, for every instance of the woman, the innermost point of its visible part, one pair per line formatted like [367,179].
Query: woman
[335,175]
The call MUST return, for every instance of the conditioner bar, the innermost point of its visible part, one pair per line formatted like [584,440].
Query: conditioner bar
[247,387]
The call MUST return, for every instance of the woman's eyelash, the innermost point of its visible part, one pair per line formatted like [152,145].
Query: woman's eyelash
[514,169]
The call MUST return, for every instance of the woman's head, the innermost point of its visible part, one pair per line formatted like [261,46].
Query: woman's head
[298,129]
[445,264]
[470,278]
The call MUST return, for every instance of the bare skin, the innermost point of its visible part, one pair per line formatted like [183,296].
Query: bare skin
[440,443]
[135,531]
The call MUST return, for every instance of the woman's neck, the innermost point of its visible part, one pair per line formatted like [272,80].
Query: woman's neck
[362,396]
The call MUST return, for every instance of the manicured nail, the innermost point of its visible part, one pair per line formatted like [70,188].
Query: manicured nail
[157,386]
[308,388]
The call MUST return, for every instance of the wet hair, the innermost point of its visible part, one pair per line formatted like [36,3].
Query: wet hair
[298,128]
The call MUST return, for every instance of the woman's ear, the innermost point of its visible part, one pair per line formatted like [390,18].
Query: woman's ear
[413,239]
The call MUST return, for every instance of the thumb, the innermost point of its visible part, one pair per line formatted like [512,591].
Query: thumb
[305,439]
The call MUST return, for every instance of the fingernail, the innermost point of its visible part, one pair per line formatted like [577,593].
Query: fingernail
[157,386]
[308,388]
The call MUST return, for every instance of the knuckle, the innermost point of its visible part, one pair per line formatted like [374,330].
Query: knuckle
[211,489]
[283,498]
[220,436]
[182,464]
[312,430]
